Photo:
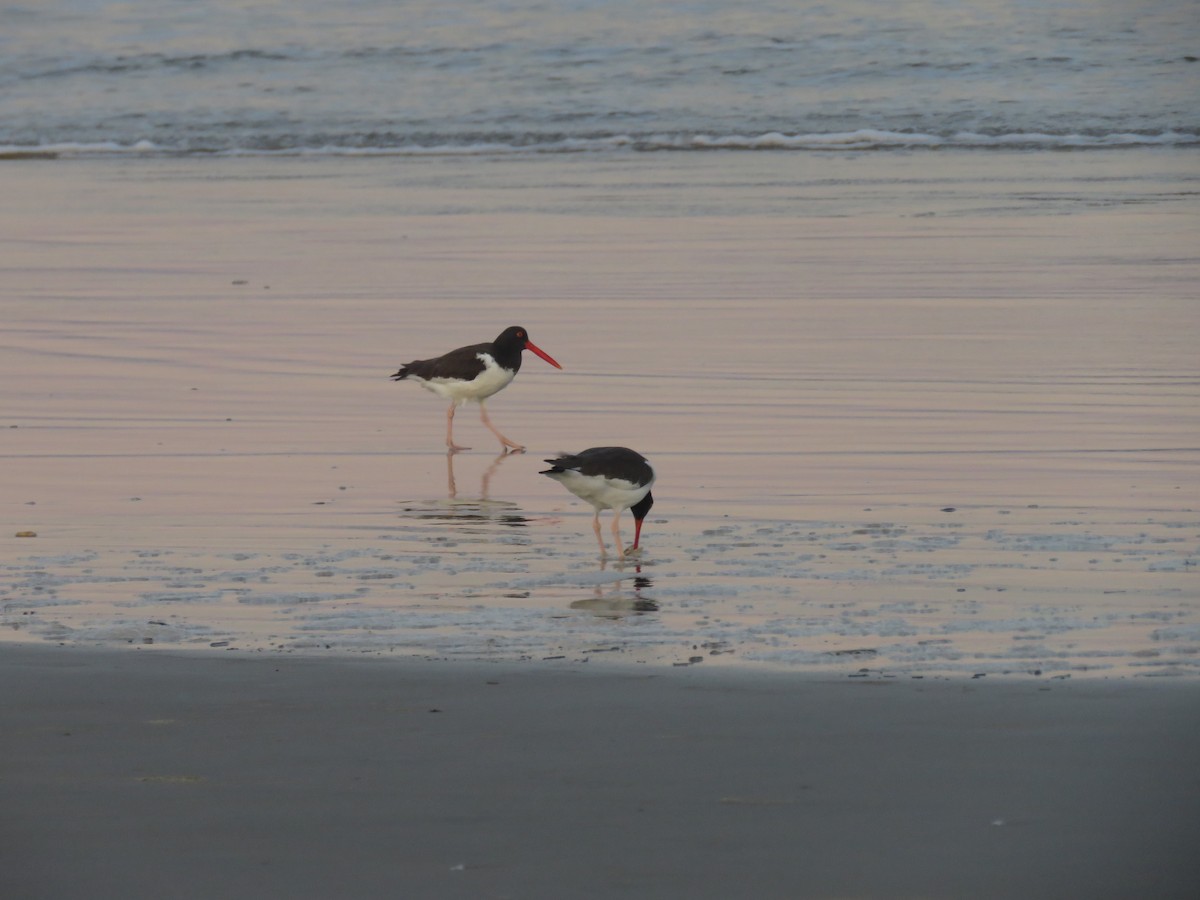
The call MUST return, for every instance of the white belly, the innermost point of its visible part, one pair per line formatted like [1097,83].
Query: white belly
[602,493]
[493,378]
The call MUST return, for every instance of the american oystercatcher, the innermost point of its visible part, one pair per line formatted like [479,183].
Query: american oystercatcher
[615,478]
[474,373]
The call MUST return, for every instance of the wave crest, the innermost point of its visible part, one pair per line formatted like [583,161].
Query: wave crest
[860,140]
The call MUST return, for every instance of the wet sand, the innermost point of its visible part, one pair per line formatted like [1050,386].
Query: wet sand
[133,773]
[908,413]
[926,527]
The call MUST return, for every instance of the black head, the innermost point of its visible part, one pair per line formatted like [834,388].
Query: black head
[513,336]
[642,507]
[512,341]
[639,511]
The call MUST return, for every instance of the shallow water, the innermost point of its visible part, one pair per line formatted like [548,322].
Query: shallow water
[911,416]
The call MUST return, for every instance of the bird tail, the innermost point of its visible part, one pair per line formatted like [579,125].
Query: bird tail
[565,462]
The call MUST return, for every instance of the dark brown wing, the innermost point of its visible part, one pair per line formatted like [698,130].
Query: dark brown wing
[463,364]
[609,462]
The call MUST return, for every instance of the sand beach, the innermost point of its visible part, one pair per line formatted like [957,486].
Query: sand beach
[900,301]
[141,774]
[917,613]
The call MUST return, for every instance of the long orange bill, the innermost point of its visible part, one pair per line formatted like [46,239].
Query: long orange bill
[530,345]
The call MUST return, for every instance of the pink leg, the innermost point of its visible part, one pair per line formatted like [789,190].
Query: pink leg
[599,540]
[616,530]
[492,428]
[454,448]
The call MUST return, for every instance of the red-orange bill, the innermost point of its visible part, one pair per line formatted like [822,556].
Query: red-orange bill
[530,345]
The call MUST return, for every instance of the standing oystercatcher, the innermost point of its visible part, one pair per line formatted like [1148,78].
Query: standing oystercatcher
[613,478]
[474,373]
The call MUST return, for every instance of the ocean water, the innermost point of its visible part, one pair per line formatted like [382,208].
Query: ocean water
[536,76]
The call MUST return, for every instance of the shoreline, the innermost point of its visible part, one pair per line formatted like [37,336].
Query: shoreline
[617,661]
[173,774]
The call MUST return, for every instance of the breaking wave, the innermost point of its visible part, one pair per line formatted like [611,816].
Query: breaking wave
[860,140]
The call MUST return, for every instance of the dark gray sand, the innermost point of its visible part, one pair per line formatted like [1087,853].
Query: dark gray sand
[144,774]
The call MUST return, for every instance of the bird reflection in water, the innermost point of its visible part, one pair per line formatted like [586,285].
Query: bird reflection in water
[481,510]
[485,483]
[619,598]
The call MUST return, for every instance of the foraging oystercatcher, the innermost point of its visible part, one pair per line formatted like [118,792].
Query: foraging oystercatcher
[474,373]
[615,478]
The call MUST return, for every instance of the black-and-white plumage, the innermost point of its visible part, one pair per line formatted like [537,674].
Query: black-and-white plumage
[474,373]
[615,478]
